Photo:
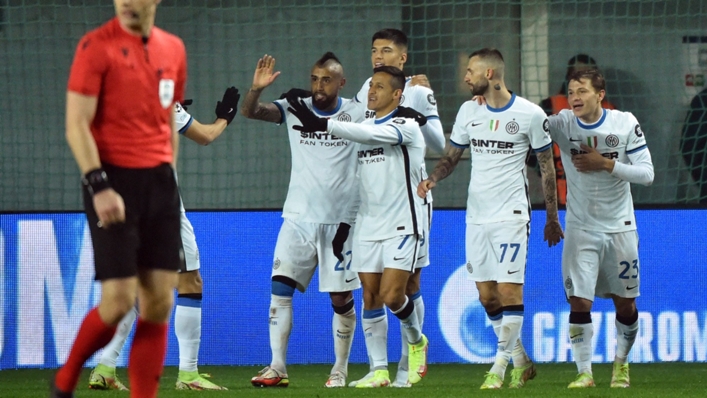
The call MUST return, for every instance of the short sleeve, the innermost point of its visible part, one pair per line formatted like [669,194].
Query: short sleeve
[425,102]
[636,139]
[182,119]
[539,132]
[460,137]
[89,66]
[282,105]
[556,124]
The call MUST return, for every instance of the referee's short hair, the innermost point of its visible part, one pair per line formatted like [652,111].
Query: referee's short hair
[397,77]
[396,36]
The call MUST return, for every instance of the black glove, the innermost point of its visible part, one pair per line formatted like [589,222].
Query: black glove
[310,121]
[186,103]
[410,113]
[296,93]
[228,106]
[337,245]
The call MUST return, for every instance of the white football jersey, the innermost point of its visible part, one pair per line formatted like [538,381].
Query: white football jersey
[181,118]
[598,201]
[499,140]
[389,152]
[419,98]
[322,179]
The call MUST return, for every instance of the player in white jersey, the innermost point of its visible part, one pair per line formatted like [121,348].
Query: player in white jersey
[318,211]
[390,150]
[603,152]
[500,134]
[389,48]
[187,315]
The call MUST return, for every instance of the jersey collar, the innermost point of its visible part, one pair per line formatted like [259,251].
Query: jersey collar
[593,125]
[508,105]
[386,117]
[325,113]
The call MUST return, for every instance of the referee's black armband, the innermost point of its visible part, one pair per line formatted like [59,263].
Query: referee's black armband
[95,181]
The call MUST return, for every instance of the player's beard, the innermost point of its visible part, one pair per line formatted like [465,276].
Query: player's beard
[480,88]
[323,104]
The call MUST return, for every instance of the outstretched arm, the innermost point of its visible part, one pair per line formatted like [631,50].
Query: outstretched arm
[204,134]
[443,168]
[263,77]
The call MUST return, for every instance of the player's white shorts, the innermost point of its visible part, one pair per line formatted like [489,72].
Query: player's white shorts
[191,250]
[600,264]
[423,255]
[302,246]
[497,251]
[400,252]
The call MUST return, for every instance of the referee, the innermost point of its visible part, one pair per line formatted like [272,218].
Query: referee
[124,80]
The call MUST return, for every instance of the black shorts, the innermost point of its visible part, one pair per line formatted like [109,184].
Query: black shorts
[149,238]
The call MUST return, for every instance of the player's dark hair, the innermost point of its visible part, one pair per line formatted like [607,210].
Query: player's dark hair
[329,56]
[579,59]
[593,75]
[488,53]
[397,77]
[396,36]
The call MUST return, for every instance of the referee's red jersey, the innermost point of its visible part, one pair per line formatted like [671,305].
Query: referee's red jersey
[137,83]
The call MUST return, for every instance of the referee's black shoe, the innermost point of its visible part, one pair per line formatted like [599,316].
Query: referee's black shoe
[56,392]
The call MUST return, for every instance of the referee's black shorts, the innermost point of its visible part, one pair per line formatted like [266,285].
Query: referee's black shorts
[150,236]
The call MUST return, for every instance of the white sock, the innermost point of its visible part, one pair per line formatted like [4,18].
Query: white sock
[280,328]
[115,346]
[508,334]
[520,357]
[343,326]
[625,337]
[420,311]
[375,331]
[581,339]
[409,321]
[187,327]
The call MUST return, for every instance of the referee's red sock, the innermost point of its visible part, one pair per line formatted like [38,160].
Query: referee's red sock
[92,336]
[147,358]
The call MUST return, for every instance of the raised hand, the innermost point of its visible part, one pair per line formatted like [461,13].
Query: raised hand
[264,75]
[228,106]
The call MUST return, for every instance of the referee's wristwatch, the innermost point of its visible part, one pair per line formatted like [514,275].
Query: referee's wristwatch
[95,181]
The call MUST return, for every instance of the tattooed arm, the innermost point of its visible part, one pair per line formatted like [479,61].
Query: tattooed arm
[553,229]
[444,168]
[254,109]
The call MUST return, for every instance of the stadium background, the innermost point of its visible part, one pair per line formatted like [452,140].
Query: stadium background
[654,54]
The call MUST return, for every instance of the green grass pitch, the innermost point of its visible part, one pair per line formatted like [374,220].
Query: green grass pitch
[647,380]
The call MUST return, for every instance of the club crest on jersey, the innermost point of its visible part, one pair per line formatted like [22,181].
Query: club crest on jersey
[638,131]
[276,264]
[431,99]
[512,127]
[344,117]
[493,125]
[166,92]
[612,140]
